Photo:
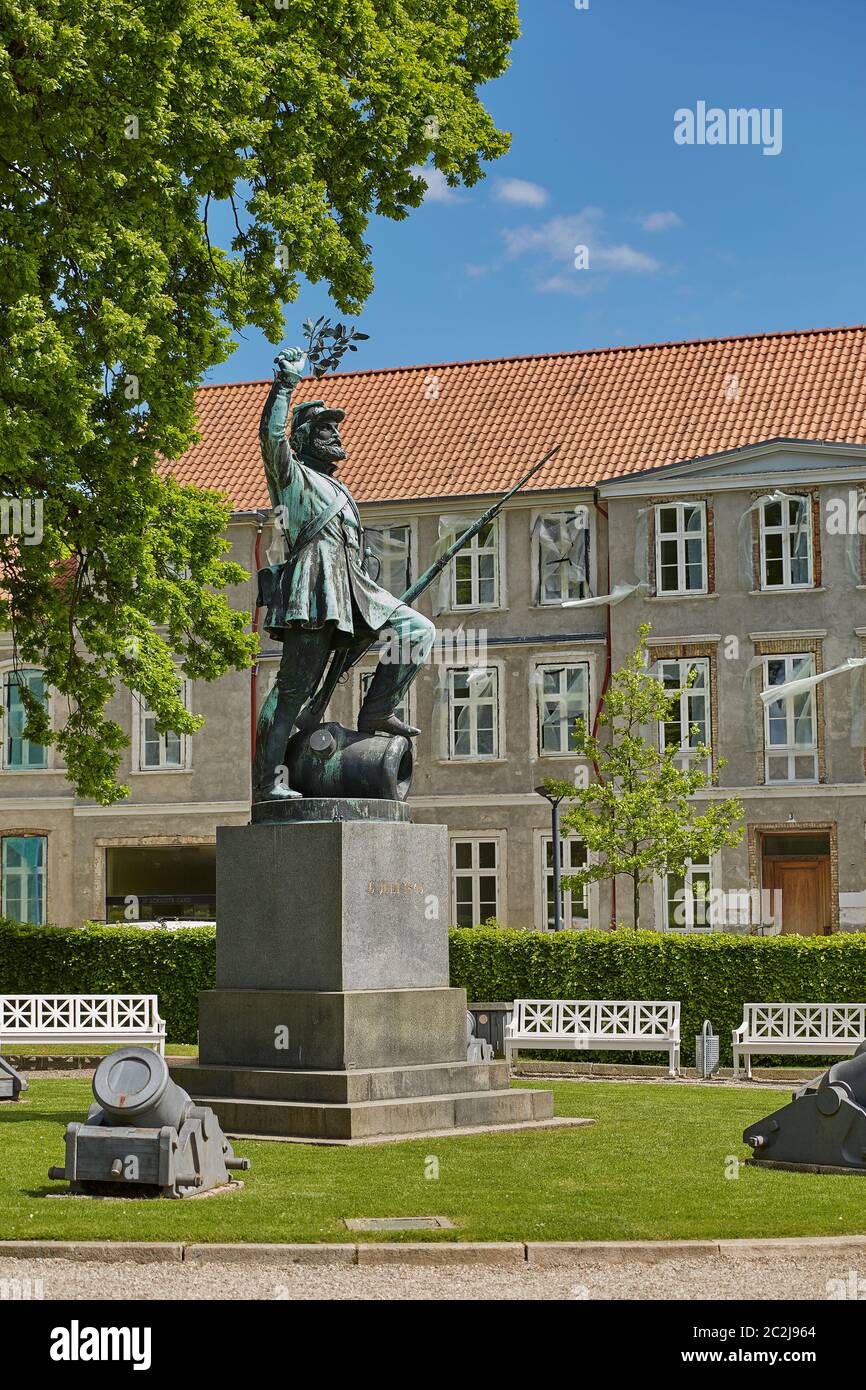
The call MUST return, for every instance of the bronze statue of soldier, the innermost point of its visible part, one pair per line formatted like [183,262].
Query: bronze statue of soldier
[321,598]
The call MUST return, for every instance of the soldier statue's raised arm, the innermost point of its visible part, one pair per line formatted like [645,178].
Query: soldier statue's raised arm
[321,597]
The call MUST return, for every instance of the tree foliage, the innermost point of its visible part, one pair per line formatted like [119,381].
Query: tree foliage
[638,819]
[123,127]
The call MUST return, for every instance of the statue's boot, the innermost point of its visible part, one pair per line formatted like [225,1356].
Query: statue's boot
[386,724]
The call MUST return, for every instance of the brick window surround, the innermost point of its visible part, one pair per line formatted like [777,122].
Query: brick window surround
[654,502]
[784,828]
[683,651]
[757,577]
[791,646]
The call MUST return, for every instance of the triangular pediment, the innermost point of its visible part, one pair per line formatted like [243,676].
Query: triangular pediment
[794,460]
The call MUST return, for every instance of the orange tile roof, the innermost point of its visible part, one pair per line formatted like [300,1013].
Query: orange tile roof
[463,428]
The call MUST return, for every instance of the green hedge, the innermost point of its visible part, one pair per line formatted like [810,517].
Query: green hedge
[712,976]
[113,960]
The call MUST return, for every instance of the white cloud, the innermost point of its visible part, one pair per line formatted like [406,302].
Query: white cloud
[554,244]
[660,221]
[438,191]
[622,258]
[520,192]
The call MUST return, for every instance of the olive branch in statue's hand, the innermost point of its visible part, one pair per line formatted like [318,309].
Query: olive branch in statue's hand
[327,344]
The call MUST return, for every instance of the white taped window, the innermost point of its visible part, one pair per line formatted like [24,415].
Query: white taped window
[786,543]
[790,723]
[161,751]
[681,548]
[389,562]
[575,903]
[562,556]
[471,580]
[563,698]
[473,713]
[688,724]
[687,898]
[474,881]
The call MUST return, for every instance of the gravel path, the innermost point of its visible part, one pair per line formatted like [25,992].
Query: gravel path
[776,1277]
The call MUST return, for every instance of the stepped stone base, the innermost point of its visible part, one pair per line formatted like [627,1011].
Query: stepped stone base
[333,1021]
[375,1103]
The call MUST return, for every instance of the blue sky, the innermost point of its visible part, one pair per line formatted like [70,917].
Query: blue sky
[683,241]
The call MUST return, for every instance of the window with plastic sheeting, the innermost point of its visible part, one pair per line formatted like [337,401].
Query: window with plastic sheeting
[681,548]
[790,723]
[561,544]
[688,723]
[389,561]
[786,543]
[473,702]
[563,698]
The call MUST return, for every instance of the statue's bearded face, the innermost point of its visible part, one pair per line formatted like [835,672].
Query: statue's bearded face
[325,449]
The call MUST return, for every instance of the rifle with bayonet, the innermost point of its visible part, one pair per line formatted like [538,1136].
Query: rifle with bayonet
[345,658]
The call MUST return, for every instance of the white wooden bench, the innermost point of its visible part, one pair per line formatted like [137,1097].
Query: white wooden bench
[603,1025]
[82,1018]
[823,1029]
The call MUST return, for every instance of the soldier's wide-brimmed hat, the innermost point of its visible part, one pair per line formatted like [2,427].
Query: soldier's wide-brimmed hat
[312,413]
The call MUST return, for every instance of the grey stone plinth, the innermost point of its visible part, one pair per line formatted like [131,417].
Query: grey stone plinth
[466,1095]
[338,1087]
[341,906]
[341,1030]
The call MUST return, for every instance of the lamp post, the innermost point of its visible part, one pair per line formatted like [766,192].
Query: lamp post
[557,856]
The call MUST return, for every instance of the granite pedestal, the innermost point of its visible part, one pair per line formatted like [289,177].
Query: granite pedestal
[333,1020]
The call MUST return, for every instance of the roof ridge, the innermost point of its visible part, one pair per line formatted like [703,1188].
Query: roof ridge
[566,352]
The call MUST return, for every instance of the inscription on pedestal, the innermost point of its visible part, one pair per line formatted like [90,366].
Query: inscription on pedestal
[332,906]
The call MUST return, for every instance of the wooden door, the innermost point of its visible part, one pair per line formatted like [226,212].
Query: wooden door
[804,885]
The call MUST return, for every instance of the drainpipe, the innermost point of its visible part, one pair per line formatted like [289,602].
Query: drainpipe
[605,683]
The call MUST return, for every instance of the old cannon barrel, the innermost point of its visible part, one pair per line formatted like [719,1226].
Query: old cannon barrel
[133,1086]
[332,761]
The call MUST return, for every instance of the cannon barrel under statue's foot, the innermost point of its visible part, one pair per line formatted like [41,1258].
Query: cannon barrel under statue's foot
[343,775]
[823,1129]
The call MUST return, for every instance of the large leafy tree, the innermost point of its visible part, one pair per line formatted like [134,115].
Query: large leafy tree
[122,127]
[639,818]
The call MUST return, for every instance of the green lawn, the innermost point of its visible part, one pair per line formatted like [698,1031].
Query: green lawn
[652,1167]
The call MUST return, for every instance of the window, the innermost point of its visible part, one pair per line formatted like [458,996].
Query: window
[162,752]
[474,881]
[19,754]
[562,541]
[786,544]
[475,570]
[563,697]
[681,548]
[687,898]
[473,723]
[23,870]
[790,723]
[689,721]
[391,559]
[401,710]
[575,906]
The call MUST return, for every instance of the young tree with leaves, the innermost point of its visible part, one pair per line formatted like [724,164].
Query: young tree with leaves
[638,819]
[124,125]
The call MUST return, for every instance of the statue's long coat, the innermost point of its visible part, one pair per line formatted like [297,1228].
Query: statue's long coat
[326,582]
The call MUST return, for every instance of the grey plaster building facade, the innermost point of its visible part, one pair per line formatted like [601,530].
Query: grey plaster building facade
[747,562]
